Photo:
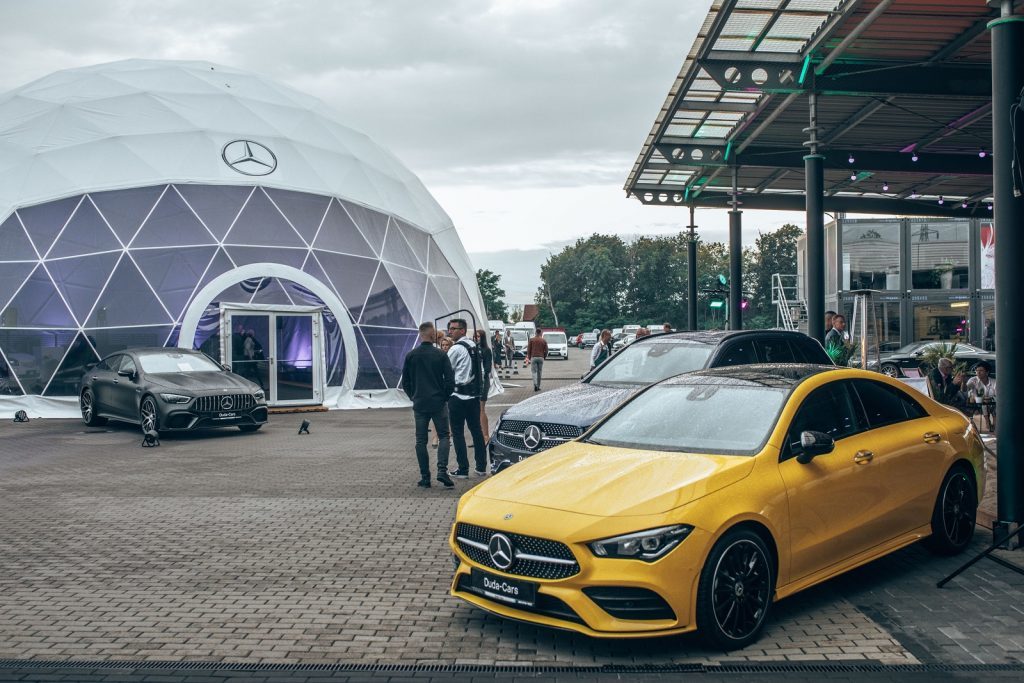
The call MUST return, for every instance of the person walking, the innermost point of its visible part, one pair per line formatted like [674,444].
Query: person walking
[602,349]
[487,360]
[464,403]
[510,353]
[428,380]
[536,352]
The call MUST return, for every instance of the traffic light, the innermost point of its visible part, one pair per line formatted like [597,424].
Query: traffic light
[716,303]
[721,280]
[744,303]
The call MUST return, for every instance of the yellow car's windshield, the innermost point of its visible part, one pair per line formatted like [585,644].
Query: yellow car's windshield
[695,418]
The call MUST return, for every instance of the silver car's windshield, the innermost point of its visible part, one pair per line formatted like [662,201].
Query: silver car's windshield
[695,418]
[554,338]
[652,362]
[158,363]
[520,335]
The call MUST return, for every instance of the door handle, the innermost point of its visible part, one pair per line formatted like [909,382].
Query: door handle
[862,457]
[932,437]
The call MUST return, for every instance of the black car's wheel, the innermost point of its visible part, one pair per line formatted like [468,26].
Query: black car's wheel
[735,592]
[87,402]
[249,428]
[890,370]
[149,418]
[955,511]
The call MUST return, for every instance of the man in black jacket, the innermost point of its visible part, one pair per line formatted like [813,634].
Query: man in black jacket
[428,380]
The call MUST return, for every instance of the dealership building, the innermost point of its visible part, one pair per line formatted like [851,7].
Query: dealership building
[149,203]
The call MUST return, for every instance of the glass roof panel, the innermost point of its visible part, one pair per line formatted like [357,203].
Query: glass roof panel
[814,5]
[781,45]
[677,129]
[758,4]
[796,26]
[742,44]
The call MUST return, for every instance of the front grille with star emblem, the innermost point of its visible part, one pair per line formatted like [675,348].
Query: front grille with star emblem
[537,558]
[214,404]
[511,434]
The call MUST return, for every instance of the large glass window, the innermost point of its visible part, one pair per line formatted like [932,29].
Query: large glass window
[871,255]
[941,321]
[939,254]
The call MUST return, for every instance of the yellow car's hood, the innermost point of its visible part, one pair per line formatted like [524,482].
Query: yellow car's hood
[599,480]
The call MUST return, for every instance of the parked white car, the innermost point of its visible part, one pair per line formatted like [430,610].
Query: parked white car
[558,345]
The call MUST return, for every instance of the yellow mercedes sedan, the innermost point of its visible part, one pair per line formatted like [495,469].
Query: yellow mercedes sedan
[708,496]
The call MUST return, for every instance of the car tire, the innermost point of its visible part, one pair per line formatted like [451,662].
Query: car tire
[149,416]
[955,512]
[734,596]
[87,403]
[249,428]
[890,370]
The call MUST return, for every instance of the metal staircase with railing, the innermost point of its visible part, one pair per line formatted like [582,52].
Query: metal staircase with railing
[790,307]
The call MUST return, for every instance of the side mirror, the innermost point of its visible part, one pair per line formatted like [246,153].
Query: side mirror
[126,373]
[814,444]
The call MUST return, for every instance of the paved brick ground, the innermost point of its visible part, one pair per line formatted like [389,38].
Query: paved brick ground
[273,547]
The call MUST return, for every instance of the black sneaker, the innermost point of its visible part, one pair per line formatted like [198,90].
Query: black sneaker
[458,475]
[446,480]
[424,483]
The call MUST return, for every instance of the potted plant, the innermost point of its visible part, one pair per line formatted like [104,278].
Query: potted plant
[929,358]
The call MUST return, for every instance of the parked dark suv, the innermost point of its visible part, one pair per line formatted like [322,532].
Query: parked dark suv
[561,415]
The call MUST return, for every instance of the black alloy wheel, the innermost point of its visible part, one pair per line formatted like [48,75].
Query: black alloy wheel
[88,405]
[149,419]
[735,593]
[956,509]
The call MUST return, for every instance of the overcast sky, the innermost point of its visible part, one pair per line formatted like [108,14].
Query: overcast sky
[522,117]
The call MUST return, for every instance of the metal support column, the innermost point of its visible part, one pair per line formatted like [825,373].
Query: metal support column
[1007,86]
[691,274]
[814,189]
[735,257]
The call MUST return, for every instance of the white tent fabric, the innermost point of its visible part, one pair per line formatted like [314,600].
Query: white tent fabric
[144,122]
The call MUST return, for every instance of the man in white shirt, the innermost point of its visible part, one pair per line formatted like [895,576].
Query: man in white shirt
[464,404]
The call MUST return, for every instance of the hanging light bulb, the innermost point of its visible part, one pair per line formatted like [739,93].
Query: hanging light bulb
[853,176]
[982,153]
[963,205]
[913,194]
[914,157]
[989,207]
[941,200]
[885,186]
[851,159]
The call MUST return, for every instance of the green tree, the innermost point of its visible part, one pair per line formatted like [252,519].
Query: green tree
[775,252]
[586,282]
[492,293]
[656,285]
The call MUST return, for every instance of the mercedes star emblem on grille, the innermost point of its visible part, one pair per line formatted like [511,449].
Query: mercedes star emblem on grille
[532,437]
[227,402]
[249,158]
[500,549]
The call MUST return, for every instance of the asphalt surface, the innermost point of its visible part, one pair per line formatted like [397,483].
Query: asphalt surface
[275,556]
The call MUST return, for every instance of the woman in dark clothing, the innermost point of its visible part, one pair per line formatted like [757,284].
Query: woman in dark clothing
[487,360]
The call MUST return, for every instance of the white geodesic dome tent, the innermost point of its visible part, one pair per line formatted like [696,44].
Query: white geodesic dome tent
[141,200]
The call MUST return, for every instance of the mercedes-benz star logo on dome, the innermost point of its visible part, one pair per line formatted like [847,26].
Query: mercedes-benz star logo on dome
[532,437]
[501,551]
[249,158]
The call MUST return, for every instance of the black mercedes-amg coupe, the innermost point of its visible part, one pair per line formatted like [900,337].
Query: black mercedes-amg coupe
[164,389]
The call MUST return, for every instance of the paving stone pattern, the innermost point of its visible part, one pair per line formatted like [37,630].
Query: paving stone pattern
[274,547]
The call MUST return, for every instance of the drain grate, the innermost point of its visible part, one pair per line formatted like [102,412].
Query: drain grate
[355,667]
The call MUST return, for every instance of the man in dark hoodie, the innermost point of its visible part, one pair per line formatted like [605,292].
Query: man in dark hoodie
[428,381]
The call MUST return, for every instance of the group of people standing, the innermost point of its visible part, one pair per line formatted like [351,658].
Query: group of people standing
[447,377]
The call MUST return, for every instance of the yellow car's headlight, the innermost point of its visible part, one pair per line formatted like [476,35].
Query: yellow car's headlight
[646,545]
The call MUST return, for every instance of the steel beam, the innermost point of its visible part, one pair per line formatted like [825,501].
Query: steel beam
[735,257]
[1007,34]
[691,273]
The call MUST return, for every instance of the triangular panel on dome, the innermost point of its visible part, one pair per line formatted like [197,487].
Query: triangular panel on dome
[127,300]
[411,285]
[34,354]
[126,209]
[68,375]
[243,256]
[433,305]
[397,249]
[260,223]
[272,292]
[174,272]
[216,205]
[418,240]
[9,385]
[37,304]
[85,233]
[14,243]
[437,264]
[389,348]
[368,376]
[81,279]
[11,277]
[373,224]
[43,221]
[219,265]
[448,288]
[384,305]
[339,233]
[350,276]
[303,210]
[171,224]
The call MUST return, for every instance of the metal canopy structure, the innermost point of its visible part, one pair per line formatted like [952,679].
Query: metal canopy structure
[903,89]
